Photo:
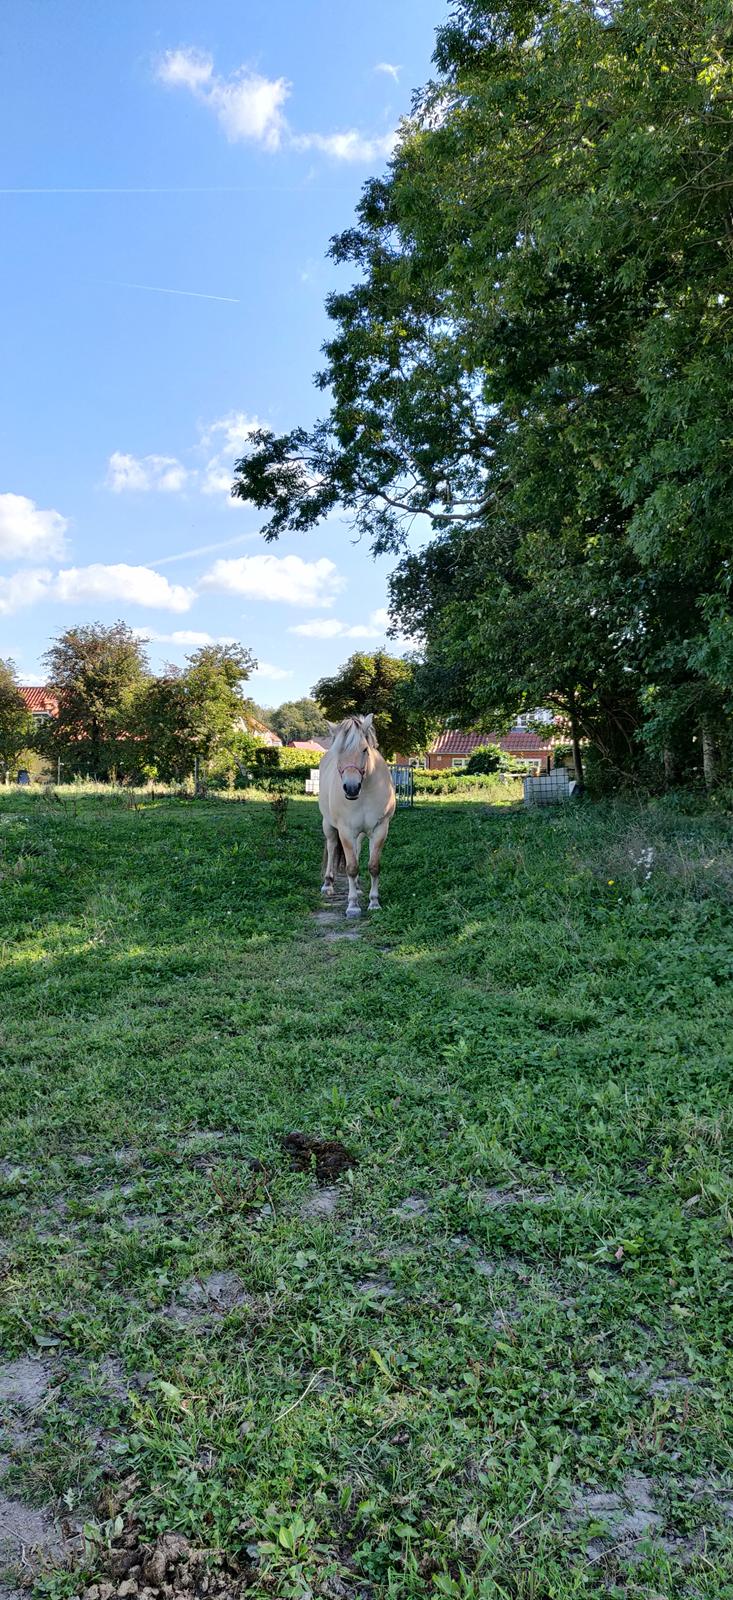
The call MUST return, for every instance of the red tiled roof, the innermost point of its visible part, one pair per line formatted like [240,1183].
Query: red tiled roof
[39,699]
[451,742]
[521,739]
[307,744]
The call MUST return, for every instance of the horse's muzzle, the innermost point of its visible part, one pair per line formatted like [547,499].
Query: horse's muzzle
[352,790]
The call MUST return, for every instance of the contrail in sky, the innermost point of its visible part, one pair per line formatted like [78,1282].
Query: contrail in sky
[191,294]
[204,549]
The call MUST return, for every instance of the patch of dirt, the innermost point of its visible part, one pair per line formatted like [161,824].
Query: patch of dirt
[377,1287]
[110,1374]
[629,1516]
[334,936]
[23,1383]
[495,1199]
[126,1157]
[326,919]
[329,1157]
[29,1536]
[413,1206]
[11,1176]
[135,1223]
[317,1207]
[669,1385]
[201,1299]
[201,1138]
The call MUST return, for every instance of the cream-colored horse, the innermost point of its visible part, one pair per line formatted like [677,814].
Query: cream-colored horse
[357,801]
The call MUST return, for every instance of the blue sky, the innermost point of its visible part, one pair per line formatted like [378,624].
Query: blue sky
[208,147]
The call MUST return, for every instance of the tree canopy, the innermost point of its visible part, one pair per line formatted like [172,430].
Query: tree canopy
[95,672]
[194,714]
[117,719]
[297,719]
[16,723]
[384,685]
[535,361]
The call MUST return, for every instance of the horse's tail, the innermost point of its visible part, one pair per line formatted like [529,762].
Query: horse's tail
[339,860]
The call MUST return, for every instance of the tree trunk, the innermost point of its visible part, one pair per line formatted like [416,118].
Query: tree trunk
[577,754]
[709,753]
[670,767]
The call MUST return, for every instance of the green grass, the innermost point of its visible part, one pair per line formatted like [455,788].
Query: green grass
[531,1044]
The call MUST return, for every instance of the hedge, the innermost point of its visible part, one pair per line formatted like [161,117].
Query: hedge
[278,757]
[458,782]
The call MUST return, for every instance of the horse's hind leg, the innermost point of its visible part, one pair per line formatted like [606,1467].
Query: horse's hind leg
[329,859]
[376,845]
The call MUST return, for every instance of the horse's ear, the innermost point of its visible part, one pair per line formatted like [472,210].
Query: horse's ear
[333,727]
[367,721]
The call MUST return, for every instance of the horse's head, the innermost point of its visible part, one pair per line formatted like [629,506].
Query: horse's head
[354,739]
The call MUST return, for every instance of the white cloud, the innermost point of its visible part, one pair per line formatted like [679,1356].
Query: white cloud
[140,586]
[329,628]
[26,531]
[189,69]
[287,579]
[182,636]
[348,146]
[229,438]
[163,473]
[223,440]
[388,69]
[249,106]
[23,589]
[265,669]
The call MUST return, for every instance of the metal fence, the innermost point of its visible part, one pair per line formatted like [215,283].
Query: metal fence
[402,778]
[404,781]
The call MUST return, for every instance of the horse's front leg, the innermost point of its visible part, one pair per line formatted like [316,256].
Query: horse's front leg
[329,860]
[353,909]
[376,845]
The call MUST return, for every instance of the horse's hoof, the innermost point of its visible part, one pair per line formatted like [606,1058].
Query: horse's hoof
[327,888]
[374,905]
[353,911]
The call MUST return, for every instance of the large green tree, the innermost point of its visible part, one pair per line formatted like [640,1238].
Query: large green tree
[382,684]
[96,673]
[195,714]
[16,723]
[535,361]
[297,719]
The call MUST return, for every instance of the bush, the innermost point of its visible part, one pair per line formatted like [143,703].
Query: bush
[289,778]
[273,758]
[458,782]
[486,758]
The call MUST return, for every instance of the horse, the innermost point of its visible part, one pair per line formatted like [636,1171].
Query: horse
[357,800]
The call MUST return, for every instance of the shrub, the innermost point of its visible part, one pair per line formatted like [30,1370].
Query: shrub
[458,782]
[276,758]
[485,758]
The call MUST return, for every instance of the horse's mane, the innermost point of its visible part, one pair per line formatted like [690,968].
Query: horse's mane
[350,731]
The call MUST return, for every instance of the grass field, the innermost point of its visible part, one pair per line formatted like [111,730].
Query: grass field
[492,1357]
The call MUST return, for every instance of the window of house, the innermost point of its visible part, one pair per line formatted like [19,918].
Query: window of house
[459,761]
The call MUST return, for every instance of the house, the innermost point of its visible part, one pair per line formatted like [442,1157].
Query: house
[39,701]
[452,749]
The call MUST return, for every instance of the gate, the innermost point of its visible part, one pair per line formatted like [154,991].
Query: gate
[404,783]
